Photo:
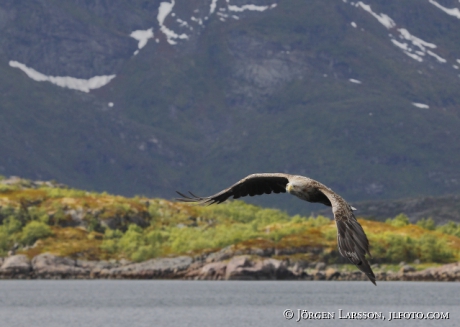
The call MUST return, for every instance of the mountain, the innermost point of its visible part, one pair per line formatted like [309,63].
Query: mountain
[149,97]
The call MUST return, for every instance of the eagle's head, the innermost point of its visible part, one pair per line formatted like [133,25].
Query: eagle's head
[293,188]
[299,189]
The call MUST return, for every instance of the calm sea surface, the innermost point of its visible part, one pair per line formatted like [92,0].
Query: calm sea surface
[43,303]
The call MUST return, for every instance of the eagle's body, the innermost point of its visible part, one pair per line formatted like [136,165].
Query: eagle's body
[352,241]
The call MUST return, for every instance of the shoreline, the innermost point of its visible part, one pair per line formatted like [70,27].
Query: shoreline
[241,267]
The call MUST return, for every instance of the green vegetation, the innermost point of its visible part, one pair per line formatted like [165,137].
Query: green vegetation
[40,218]
[393,248]
[34,231]
[427,223]
[137,244]
[398,221]
[451,228]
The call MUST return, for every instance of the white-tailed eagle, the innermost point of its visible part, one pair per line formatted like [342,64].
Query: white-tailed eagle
[352,241]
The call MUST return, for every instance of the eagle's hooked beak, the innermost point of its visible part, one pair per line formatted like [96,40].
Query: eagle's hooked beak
[289,187]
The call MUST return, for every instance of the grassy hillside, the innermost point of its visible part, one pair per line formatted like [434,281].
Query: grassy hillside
[39,217]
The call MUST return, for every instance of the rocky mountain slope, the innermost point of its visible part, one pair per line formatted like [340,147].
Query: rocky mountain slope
[147,97]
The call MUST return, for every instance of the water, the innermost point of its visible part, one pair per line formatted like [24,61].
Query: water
[71,303]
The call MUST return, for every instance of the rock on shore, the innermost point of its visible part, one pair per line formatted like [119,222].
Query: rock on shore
[211,267]
[243,268]
[16,266]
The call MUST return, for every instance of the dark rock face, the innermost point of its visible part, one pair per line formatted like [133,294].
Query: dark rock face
[260,68]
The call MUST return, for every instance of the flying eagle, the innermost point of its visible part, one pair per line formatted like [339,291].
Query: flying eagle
[352,241]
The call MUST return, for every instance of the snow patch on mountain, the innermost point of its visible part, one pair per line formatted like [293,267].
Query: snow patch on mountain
[382,18]
[212,7]
[84,85]
[249,7]
[415,40]
[438,58]
[166,8]
[163,11]
[453,12]
[421,105]
[199,21]
[142,36]
[183,23]
[412,46]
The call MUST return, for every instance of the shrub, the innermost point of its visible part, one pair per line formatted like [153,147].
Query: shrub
[5,188]
[434,249]
[393,248]
[268,216]
[145,252]
[427,223]
[450,228]
[318,221]
[136,244]
[237,211]
[400,248]
[9,233]
[4,242]
[94,225]
[110,240]
[398,221]
[58,216]
[33,231]
[11,225]
[131,239]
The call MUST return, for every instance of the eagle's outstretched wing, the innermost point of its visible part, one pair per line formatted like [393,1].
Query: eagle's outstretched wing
[353,243]
[255,184]
[351,239]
